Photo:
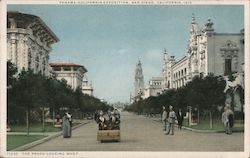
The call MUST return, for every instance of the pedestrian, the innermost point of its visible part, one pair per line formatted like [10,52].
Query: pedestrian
[230,119]
[96,115]
[227,119]
[171,121]
[66,126]
[109,113]
[224,119]
[180,118]
[70,118]
[164,117]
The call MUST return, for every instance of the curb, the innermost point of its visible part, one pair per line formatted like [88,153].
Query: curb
[210,131]
[40,141]
[204,131]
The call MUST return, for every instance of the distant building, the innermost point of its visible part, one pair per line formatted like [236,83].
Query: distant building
[86,87]
[208,52]
[71,72]
[154,88]
[29,42]
[139,80]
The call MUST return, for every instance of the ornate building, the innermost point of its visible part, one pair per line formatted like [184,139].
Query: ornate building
[139,81]
[86,87]
[29,42]
[208,52]
[154,88]
[72,73]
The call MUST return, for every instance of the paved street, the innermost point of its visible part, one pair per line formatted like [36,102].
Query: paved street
[139,133]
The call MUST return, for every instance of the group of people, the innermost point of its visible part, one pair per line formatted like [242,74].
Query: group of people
[110,123]
[67,125]
[168,119]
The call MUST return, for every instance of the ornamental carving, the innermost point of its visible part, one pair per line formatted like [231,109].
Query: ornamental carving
[209,25]
[229,46]
[229,50]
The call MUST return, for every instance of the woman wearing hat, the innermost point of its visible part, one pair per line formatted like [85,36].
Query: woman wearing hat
[102,121]
[66,126]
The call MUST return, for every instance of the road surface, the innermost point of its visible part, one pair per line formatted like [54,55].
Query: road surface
[139,133]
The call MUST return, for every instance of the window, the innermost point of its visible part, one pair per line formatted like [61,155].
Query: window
[228,66]
[37,62]
[44,65]
[66,68]
[29,59]
[57,68]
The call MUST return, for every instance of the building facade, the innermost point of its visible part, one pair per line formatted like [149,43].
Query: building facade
[154,87]
[87,87]
[221,54]
[208,52]
[29,42]
[71,72]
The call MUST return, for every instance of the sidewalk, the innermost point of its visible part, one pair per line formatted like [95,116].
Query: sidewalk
[198,130]
[50,135]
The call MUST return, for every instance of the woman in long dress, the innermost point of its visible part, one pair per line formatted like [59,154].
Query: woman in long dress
[66,126]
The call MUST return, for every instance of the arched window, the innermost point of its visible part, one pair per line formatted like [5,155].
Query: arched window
[37,62]
[29,59]
[44,65]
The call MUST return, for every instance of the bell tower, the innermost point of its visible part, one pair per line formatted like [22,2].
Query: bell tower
[139,81]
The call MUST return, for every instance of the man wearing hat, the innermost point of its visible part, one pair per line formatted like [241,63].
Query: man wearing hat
[228,118]
[171,121]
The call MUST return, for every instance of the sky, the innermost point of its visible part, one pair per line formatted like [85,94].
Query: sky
[108,40]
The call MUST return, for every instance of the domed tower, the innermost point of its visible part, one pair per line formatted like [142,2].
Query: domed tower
[139,81]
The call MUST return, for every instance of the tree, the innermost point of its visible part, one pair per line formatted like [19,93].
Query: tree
[205,93]
[11,78]
[11,72]
[32,92]
[28,92]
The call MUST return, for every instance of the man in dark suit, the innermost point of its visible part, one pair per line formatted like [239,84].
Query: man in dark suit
[180,118]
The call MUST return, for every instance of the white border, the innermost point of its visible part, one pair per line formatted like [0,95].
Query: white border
[3,58]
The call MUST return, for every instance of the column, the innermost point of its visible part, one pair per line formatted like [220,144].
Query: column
[13,51]
[223,64]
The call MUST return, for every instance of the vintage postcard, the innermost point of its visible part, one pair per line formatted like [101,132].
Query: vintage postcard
[117,78]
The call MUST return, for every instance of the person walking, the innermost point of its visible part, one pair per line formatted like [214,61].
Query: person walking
[230,116]
[164,118]
[180,118]
[228,119]
[171,121]
[224,119]
[70,118]
[66,126]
